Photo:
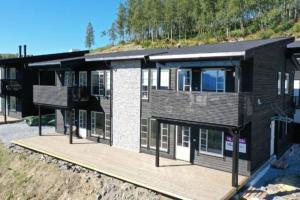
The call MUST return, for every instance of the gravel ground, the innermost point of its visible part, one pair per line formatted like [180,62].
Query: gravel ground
[19,130]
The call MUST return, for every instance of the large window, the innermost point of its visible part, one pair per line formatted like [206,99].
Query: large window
[286,83]
[164,137]
[213,80]
[97,124]
[12,103]
[279,83]
[164,79]
[12,73]
[82,78]
[211,142]
[98,84]
[184,77]
[145,83]
[144,132]
[154,79]
[153,133]
[67,117]
[69,78]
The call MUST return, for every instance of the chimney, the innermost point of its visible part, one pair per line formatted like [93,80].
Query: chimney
[25,50]
[20,51]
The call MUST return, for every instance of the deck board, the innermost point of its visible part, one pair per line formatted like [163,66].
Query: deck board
[174,178]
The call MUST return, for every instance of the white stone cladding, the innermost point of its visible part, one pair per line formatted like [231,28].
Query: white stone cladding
[126,104]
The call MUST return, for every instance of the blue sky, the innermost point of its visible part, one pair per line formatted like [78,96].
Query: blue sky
[50,26]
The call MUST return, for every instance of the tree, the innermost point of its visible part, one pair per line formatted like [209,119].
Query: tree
[89,37]
[112,32]
[121,21]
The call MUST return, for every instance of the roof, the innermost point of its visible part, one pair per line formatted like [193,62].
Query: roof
[229,49]
[293,45]
[55,62]
[125,55]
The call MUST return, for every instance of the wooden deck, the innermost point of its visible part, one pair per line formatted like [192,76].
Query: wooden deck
[174,178]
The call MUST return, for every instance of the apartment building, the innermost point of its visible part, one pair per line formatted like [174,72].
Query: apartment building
[209,105]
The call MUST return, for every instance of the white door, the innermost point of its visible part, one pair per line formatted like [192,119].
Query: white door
[272,138]
[82,78]
[82,123]
[183,146]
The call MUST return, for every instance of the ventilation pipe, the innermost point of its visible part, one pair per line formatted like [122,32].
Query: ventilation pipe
[25,50]
[20,51]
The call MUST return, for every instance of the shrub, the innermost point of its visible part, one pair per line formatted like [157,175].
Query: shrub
[265,34]
[237,33]
[296,27]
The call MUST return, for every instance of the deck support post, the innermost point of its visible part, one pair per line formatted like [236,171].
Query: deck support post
[40,122]
[5,96]
[235,158]
[70,126]
[157,144]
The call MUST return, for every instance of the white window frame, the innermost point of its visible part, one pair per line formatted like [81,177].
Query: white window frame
[286,83]
[201,131]
[150,134]
[147,133]
[81,83]
[98,73]
[93,124]
[168,77]
[161,137]
[73,118]
[216,69]
[184,85]
[183,129]
[106,135]
[69,74]
[107,83]
[145,79]
[279,83]
[153,78]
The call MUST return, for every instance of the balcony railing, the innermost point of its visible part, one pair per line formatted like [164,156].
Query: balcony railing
[59,96]
[232,109]
[10,86]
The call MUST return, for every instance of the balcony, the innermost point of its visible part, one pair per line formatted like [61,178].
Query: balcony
[62,97]
[10,87]
[230,109]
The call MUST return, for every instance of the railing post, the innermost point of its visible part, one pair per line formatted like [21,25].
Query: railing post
[40,122]
[70,126]
[157,144]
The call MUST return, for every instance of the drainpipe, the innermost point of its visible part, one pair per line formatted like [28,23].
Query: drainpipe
[235,157]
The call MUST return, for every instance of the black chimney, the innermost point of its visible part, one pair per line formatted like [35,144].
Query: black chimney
[20,51]
[25,50]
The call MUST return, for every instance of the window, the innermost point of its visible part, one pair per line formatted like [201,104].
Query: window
[183,136]
[107,126]
[211,142]
[164,135]
[154,79]
[286,83]
[145,83]
[97,124]
[67,117]
[279,83]
[1,72]
[213,80]
[107,83]
[12,73]
[144,132]
[82,78]
[12,103]
[164,79]
[184,79]
[69,79]
[153,133]
[98,84]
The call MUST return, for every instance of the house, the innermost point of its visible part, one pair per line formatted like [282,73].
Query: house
[225,106]
[17,81]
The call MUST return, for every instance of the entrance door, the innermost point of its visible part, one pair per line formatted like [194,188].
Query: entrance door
[82,123]
[272,142]
[183,149]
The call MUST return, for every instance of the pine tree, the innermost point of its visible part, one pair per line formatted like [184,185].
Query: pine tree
[121,21]
[89,37]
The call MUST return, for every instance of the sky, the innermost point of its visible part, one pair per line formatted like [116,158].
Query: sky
[53,26]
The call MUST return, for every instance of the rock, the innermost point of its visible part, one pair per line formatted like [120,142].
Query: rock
[99,196]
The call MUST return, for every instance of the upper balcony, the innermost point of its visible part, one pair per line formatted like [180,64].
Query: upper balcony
[232,109]
[62,97]
[10,87]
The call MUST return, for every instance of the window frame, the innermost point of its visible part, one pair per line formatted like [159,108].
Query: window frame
[164,87]
[150,134]
[206,152]
[161,137]
[79,78]
[93,115]
[107,83]
[153,86]
[98,73]
[146,91]
[286,83]
[10,104]
[279,84]
[214,69]
[145,132]
[183,84]
[67,81]
[107,120]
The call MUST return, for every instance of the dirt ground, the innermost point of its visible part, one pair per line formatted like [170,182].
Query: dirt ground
[22,177]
